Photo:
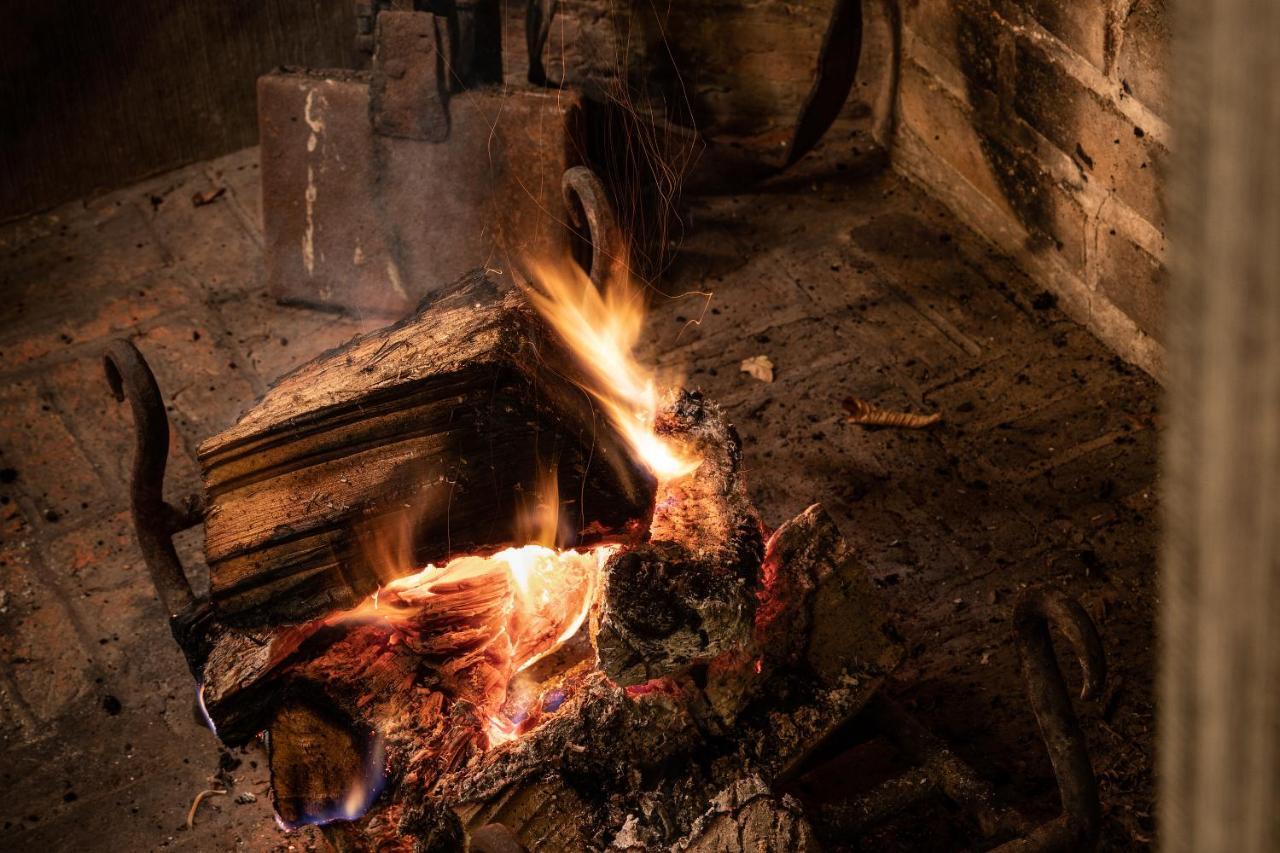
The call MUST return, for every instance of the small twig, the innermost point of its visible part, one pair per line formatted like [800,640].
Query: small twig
[866,413]
[195,804]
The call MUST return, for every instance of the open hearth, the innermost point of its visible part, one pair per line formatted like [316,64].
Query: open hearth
[633,662]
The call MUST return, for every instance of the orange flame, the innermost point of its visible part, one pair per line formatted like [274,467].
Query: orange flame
[526,601]
[601,331]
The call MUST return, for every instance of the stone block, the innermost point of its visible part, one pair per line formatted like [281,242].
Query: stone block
[1134,281]
[1143,60]
[48,465]
[368,223]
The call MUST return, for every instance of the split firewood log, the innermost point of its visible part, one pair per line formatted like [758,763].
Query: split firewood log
[403,447]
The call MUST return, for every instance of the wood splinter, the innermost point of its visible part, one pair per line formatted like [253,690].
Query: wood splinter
[195,804]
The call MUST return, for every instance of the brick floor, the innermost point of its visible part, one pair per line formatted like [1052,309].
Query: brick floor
[852,284]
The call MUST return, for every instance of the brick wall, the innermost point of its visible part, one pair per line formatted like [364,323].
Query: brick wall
[1042,124]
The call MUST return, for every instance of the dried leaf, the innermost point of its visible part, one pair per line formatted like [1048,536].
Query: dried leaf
[758,367]
[866,413]
[200,199]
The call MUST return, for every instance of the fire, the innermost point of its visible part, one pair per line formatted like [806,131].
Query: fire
[601,330]
[496,615]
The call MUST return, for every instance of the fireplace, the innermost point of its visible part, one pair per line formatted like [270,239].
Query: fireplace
[625,657]
[662,438]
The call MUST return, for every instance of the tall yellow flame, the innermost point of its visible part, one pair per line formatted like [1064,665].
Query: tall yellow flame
[601,331]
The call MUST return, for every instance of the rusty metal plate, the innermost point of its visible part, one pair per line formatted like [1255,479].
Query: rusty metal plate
[369,224]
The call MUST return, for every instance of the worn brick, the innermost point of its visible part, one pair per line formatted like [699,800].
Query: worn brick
[13,522]
[1107,146]
[965,34]
[1096,414]
[129,636]
[993,153]
[84,252]
[1134,281]
[240,174]
[41,650]
[946,287]
[110,311]
[98,557]
[946,126]
[276,338]
[1143,59]
[50,468]
[105,428]
[210,242]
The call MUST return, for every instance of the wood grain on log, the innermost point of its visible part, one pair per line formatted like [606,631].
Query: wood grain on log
[400,448]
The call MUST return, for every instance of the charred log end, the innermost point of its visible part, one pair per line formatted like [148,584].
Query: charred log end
[322,768]
[663,611]
[817,604]
[851,631]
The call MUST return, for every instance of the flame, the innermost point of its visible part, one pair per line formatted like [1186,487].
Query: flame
[522,603]
[601,331]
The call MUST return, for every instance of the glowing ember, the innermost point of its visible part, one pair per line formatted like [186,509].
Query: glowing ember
[507,610]
[601,330]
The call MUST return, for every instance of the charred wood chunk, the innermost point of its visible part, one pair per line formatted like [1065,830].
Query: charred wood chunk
[401,448]
[748,817]
[663,611]
[708,512]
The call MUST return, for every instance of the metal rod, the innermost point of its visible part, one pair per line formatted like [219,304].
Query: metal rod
[154,521]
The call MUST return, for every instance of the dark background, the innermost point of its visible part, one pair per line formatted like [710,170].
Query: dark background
[97,93]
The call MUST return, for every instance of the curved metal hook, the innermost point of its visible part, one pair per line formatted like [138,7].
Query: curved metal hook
[607,254]
[837,70]
[1034,613]
[154,520]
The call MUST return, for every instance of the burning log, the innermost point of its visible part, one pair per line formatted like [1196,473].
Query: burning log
[689,594]
[435,428]
[694,636]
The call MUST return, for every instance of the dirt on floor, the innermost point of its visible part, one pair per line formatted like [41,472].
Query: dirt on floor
[850,282]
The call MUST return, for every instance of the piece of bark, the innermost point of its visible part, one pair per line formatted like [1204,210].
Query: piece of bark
[404,446]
